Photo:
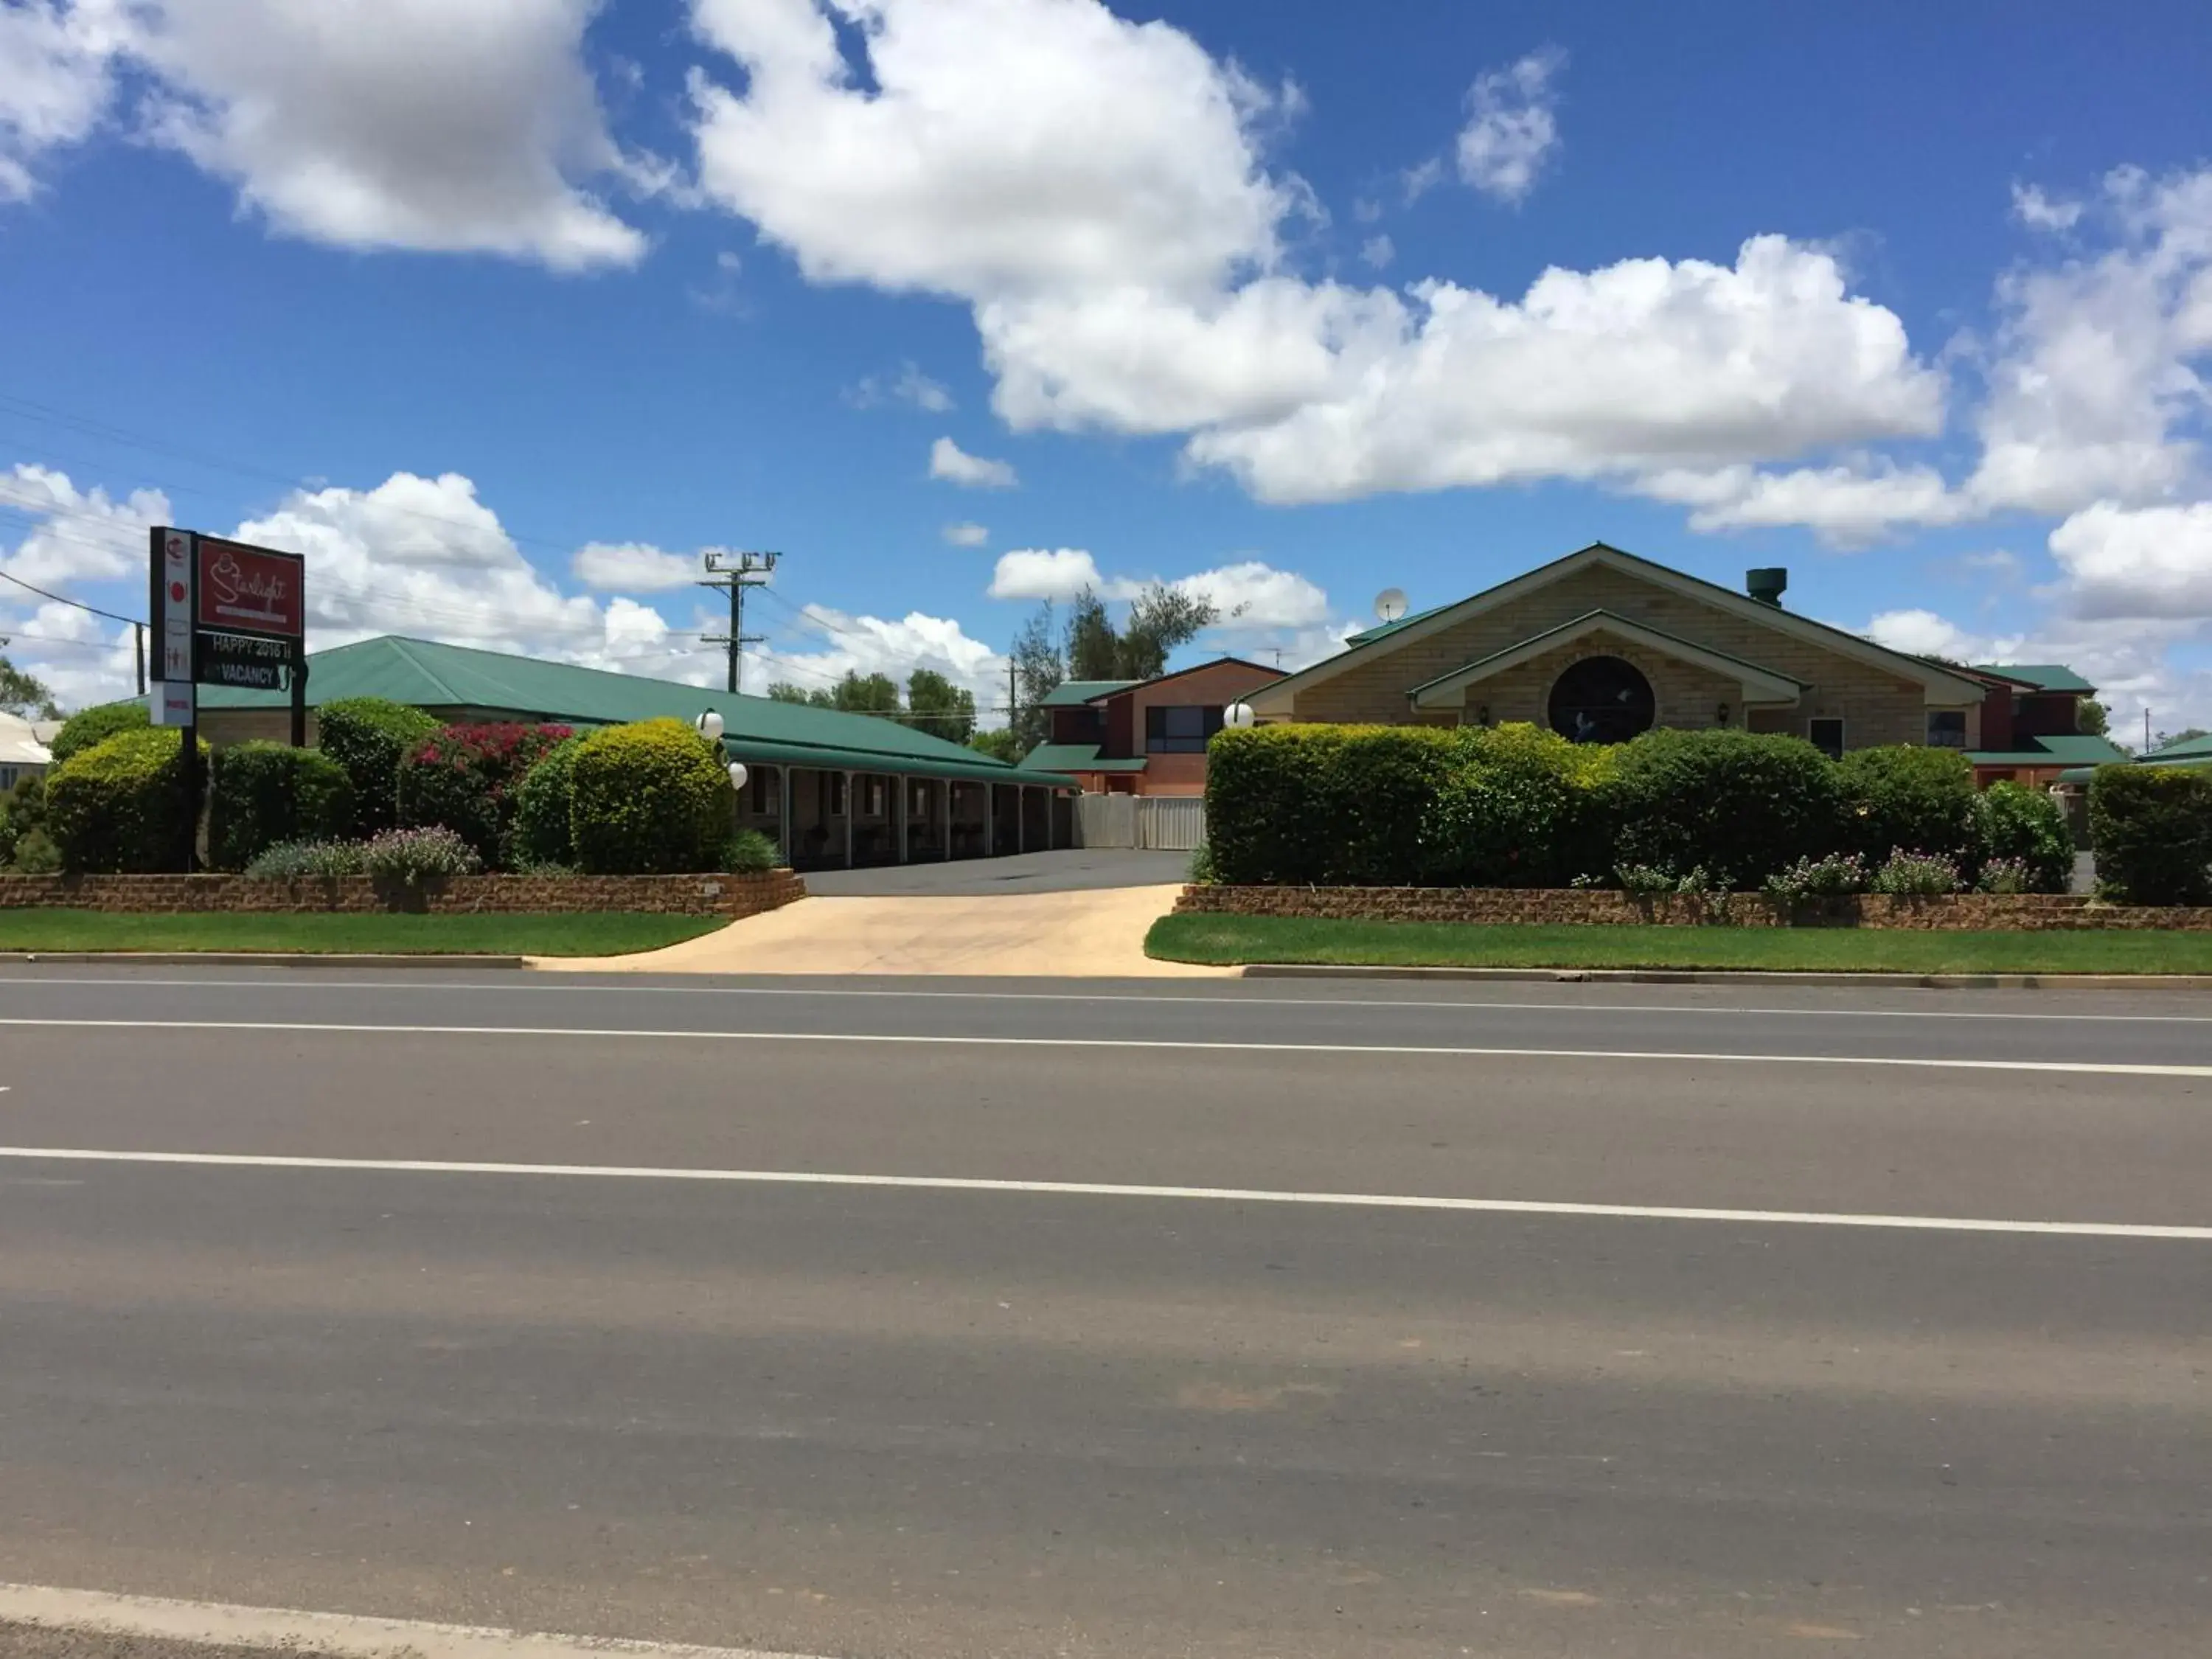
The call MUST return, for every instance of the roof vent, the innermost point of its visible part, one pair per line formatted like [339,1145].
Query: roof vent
[1767,586]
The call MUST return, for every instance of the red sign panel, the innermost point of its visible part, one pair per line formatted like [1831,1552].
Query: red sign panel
[251,590]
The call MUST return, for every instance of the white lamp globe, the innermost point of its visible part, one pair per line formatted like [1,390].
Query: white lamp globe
[737,774]
[1239,717]
[709,726]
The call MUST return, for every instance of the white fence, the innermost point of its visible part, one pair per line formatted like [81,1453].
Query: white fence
[1169,823]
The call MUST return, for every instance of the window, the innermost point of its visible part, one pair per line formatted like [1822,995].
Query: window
[1180,731]
[8,777]
[873,793]
[764,803]
[1947,728]
[832,796]
[1827,736]
[1601,700]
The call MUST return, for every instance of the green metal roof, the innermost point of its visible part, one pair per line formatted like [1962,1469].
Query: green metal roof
[2043,676]
[2187,748]
[433,676]
[1073,694]
[1366,635]
[2073,748]
[1075,757]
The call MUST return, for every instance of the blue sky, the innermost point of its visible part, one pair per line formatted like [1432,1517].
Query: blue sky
[502,311]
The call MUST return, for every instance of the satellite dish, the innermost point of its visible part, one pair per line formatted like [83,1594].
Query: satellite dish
[1391,604]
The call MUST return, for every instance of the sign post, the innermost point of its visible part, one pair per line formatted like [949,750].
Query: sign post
[226,614]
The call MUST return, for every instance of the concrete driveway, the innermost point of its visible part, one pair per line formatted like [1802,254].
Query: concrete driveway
[1077,912]
[1088,870]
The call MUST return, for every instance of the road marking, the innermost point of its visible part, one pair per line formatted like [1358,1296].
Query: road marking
[1197,1000]
[1926,1224]
[2071,1068]
[216,1624]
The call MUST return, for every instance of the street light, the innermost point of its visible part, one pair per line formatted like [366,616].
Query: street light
[709,726]
[738,774]
[1239,717]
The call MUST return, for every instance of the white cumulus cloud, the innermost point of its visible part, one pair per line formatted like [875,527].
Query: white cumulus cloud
[77,534]
[2141,563]
[57,62]
[953,464]
[633,567]
[1512,126]
[1037,573]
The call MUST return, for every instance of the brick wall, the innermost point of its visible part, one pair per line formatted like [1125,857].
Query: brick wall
[1997,912]
[1875,707]
[684,896]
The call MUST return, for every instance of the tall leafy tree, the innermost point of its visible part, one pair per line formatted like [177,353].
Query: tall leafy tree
[865,694]
[1161,619]
[2090,717]
[785,691]
[1093,649]
[939,707]
[23,694]
[1038,673]
[1000,744]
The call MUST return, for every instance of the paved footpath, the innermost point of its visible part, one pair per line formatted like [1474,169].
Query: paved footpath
[875,1318]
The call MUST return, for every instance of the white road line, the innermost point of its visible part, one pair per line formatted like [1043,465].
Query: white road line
[2069,1067]
[527,987]
[215,1623]
[1927,1224]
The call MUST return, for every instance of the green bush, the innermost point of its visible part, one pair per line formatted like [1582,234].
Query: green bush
[1916,874]
[651,798]
[2152,828]
[22,810]
[1334,805]
[1918,798]
[1832,876]
[295,860]
[2024,826]
[261,793]
[119,806]
[1523,807]
[34,854]
[748,852]
[466,779]
[410,855]
[368,736]
[541,834]
[1743,805]
[91,727]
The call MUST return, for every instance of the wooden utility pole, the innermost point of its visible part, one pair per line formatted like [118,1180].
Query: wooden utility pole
[751,570]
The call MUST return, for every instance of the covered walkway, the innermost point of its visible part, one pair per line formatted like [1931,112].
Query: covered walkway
[850,817]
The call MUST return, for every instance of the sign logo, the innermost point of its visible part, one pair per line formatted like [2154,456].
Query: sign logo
[249,590]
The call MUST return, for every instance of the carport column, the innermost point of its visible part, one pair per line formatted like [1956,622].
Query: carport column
[945,814]
[849,804]
[783,812]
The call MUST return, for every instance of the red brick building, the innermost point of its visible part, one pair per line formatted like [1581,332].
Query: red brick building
[1144,737]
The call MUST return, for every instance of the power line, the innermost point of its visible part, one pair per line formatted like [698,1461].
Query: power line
[751,570]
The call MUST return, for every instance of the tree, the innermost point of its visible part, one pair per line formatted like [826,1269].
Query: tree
[2091,719]
[1002,745]
[939,707]
[2167,739]
[1037,674]
[24,694]
[1093,651]
[863,694]
[1161,619]
[785,691]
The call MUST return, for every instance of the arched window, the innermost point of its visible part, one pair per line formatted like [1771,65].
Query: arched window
[1601,700]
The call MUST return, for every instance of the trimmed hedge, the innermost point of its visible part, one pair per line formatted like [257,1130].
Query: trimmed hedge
[90,727]
[1905,796]
[1740,806]
[262,793]
[2012,822]
[2152,828]
[1524,807]
[368,736]
[651,798]
[466,779]
[119,806]
[541,833]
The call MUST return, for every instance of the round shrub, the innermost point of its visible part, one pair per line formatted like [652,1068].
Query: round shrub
[2152,826]
[414,855]
[2025,827]
[467,778]
[368,736]
[541,834]
[748,852]
[1909,796]
[92,726]
[261,793]
[119,806]
[34,854]
[1743,806]
[651,798]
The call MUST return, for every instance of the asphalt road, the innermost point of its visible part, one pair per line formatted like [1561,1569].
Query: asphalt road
[1815,1372]
[1088,870]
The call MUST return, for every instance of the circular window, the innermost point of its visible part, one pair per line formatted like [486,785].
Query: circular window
[1601,700]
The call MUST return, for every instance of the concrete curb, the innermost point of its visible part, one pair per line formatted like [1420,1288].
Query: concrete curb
[1697,976]
[255,959]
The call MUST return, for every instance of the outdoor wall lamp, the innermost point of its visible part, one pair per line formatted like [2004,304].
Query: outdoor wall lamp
[1722,716]
[737,774]
[1239,717]
[709,727]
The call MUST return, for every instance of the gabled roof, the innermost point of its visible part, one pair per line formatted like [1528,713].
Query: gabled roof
[2043,676]
[2187,748]
[1762,685]
[1073,694]
[1195,668]
[1942,684]
[433,676]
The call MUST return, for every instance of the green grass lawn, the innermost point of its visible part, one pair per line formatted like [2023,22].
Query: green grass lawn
[1230,940]
[486,935]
